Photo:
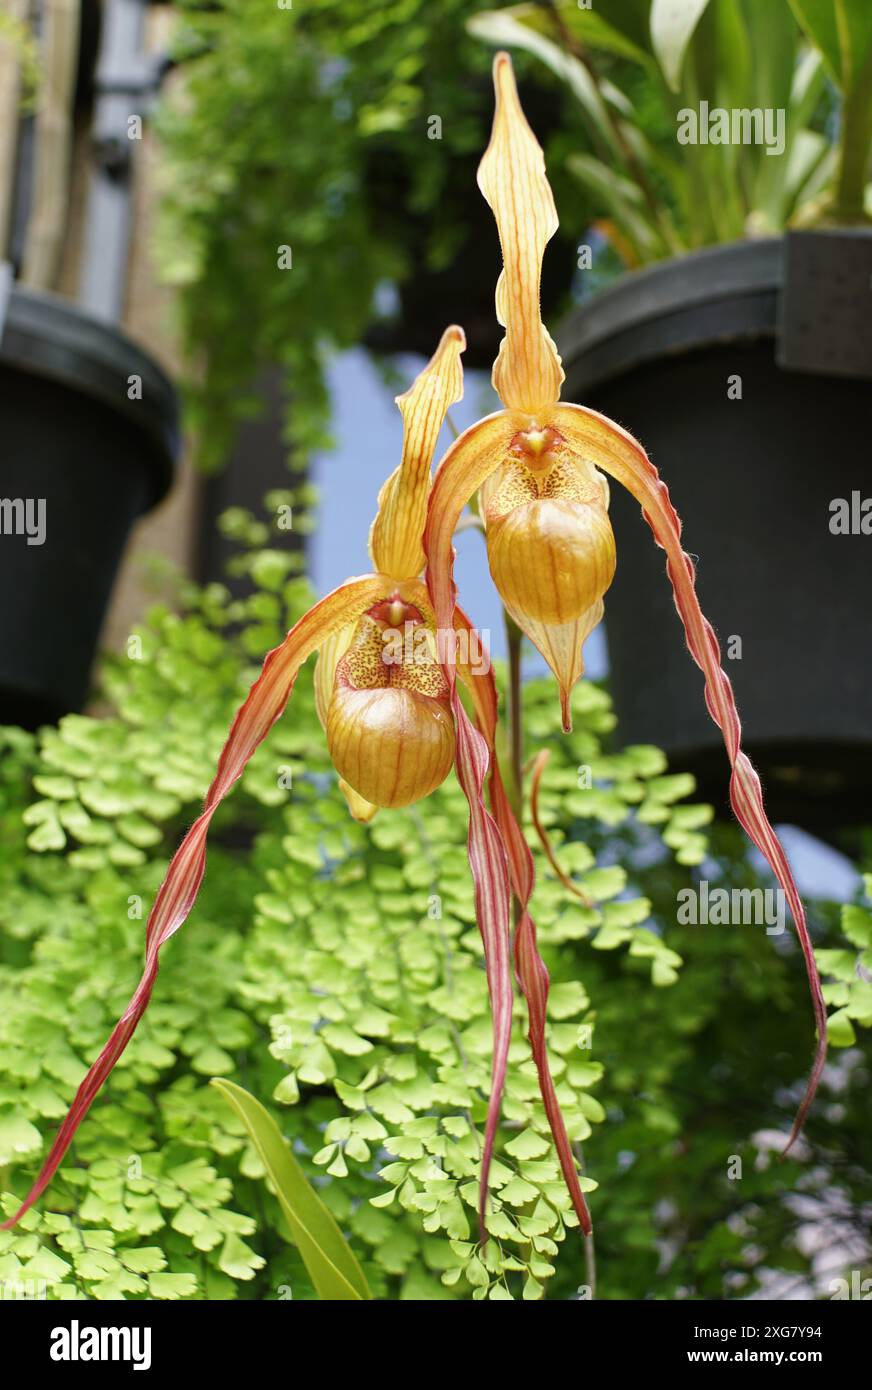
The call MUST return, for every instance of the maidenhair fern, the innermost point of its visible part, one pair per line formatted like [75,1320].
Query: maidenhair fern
[335,971]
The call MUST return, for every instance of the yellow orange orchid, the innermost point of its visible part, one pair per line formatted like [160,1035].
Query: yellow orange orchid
[387,719]
[388,722]
[394,722]
[539,468]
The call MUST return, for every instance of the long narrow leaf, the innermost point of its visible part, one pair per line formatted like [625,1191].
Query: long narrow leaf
[672,26]
[326,1254]
[818,19]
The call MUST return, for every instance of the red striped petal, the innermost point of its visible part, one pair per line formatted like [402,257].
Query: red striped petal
[533,979]
[497,852]
[487,860]
[544,839]
[487,854]
[617,453]
[264,704]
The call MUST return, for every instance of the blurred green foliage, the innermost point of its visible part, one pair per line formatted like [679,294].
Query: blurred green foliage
[310,128]
[637,68]
[16,37]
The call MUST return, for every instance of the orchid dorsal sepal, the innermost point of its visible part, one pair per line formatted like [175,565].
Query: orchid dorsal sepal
[527,374]
[395,537]
[544,508]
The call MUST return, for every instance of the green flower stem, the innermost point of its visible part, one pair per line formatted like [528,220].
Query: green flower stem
[589,1246]
[590,1265]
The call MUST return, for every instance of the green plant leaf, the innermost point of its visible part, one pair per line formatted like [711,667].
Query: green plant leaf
[504,30]
[623,31]
[841,30]
[332,1267]
[818,20]
[672,26]
[839,1030]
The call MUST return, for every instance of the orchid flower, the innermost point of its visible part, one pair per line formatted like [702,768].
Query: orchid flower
[538,467]
[385,708]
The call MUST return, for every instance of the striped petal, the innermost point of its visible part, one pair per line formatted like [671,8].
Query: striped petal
[264,704]
[539,765]
[617,453]
[487,860]
[527,374]
[562,645]
[499,856]
[476,672]
[465,466]
[533,978]
[330,653]
[395,538]
[487,856]
[496,844]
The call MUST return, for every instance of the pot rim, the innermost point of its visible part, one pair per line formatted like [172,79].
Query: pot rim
[50,337]
[680,290]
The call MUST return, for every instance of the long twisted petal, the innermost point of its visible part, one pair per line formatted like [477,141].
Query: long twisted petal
[499,854]
[539,766]
[618,453]
[177,894]
[487,860]
[486,852]
[533,978]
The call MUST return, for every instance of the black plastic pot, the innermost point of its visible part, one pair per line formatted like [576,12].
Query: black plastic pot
[753,480]
[72,436]
[256,464]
